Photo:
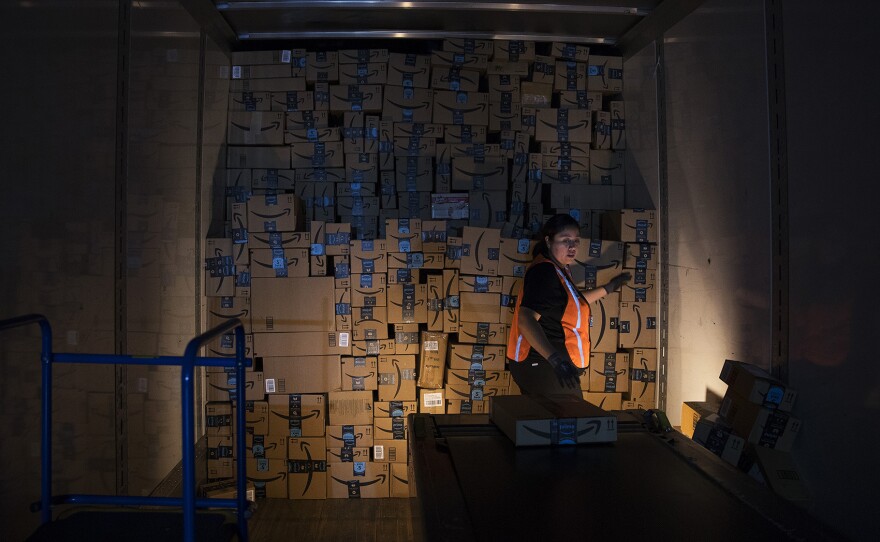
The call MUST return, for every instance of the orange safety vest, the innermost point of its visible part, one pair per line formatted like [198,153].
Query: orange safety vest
[575,322]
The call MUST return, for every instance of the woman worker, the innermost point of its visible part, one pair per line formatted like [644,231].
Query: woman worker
[549,342]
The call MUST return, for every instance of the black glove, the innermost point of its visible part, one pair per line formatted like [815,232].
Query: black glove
[618,281]
[565,370]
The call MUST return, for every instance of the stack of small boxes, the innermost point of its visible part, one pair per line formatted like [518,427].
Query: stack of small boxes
[381,212]
[752,428]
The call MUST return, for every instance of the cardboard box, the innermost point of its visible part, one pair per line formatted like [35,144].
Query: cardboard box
[322,66]
[513,50]
[369,73]
[580,99]
[226,489]
[601,130]
[485,174]
[307,468]
[605,74]
[266,446]
[255,128]
[480,307]
[609,372]
[219,450]
[297,415]
[694,411]
[570,51]
[279,262]
[511,287]
[432,361]
[403,234]
[218,418]
[352,436]
[450,78]
[408,104]
[543,72]
[597,262]
[412,147]
[570,75]
[432,401]
[465,356]
[290,101]
[477,378]
[482,333]
[301,374]
[464,406]
[370,323]
[347,454]
[514,256]
[757,385]
[362,56]
[630,225]
[366,98]
[308,343]
[275,213]
[717,437]
[369,256]
[221,386]
[407,303]
[390,428]
[373,347]
[409,70]
[311,135]
[260,72]
[480,251]
[220,267]
[269,477]
[270,84]
[400,486]
[277,304]
[451,107]
[637,327]
[406,339]
[359,373]
[221,309]
[397,378]
[351,408]
[394,409]
[469,46]
[358,480]
[618,125]
[642,287]
[390,451]
[317,155]
[479,284]
[759,425]
[307,120]
[505,116]
[529,421]
[780,472]
[642,375]
[564,125]
[462,60]
[256,418]
[640,256]
[244,157]
[369,289]
[604,319]
[272,179]
[607,168]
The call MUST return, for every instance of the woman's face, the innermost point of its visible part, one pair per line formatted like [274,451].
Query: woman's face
[564,245]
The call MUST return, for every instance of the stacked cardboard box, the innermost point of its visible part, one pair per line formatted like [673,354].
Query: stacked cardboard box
[381,209]
[752,428]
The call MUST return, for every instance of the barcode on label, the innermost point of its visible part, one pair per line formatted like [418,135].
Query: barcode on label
[270,385]
[343,340]
[433,400]
[378,452]
[236,72]
[432,346]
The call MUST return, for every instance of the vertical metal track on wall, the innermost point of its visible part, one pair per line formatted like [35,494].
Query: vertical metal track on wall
[778,187]
[200,142]
[663,217]
[123,57]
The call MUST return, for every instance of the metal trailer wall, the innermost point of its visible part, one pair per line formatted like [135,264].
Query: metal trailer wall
[742,232]
[114,121]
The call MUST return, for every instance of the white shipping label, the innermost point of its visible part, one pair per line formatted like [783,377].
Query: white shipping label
[432,346]
[236,72]
[433,400]
[378,452]
[270,385]
[343,340]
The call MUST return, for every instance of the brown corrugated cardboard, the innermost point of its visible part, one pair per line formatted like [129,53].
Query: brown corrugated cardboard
[604,317]
[505,116]
[543,72]
[452,107]
[367,98]
[220,267]
[609,372]
[272,179]
[397,378]
[640,255]
[373,347]
[449,78]
[479,378]
[322,66]
[370,323]
[693,411]
[311,135]
[258,157]
[482,333]
[351,408]
[276,56]
[293,100]
[255,128]
[362,56]
[219,450]
[221,309]
[307,468]
[642,287]
[528,421]
[458,59]
[432,401]
[511,67]
[571,163]
[317,155]
[580,99]
[432,360]
[637,326]
[390,451]
[570,75]
[394,409]
[601,130]
[642,375]
[605,74]
[607,168]
[404,104]
[572,125]
[297,415]
[597,261]
[272,84]
[480,251]
[513,50]
[407,303]
[275,213]
[409,70]
[369,289]
[511,287]
[370,73]
[400,486]
[469,46]
[406,339]
[514,256]
[489,173]
[618,125]
[570,51]
[309,343]
[464,134]
[464,406]
[717,437]
[226,489]
[465,356]
[221,386]
[414,146]
[359,373]
[480,307]
[269,477]
[758,425]
[479,284]
[757,385]
[279,262]
[256,418]
[403,234]
[369,256]
[348,454]
[307,120]
[358,480]
[356,436]
[390,428]
[301,374]
[277,304]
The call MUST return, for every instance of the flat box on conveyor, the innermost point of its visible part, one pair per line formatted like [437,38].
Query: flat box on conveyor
[529,421]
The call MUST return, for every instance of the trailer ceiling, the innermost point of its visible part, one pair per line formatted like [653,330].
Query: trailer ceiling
[625,24]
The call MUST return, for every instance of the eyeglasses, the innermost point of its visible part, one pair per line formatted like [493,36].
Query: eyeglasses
[570,243]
